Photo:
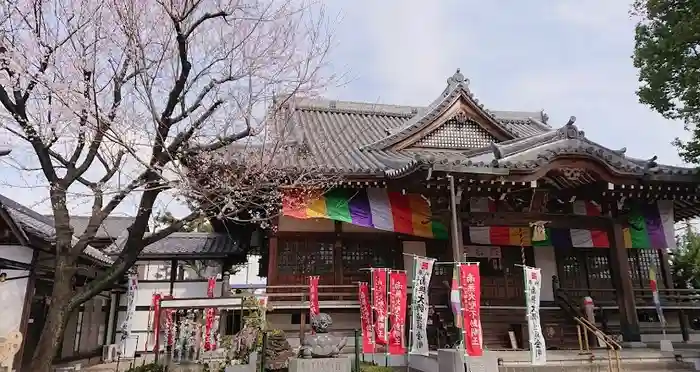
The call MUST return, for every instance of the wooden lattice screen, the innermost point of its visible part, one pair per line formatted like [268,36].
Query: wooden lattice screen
[584,268]
[298,258]
[641,262]
[358,254]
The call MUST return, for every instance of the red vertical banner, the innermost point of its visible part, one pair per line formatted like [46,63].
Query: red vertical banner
[156,321]
[397,315]
[380,306]
[209,341]
[365,319]
[169,324]
[314,309]
[470,291]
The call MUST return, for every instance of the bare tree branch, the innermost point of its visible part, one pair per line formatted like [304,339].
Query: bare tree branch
[149,101]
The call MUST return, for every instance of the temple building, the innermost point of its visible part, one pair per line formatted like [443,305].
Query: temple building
[608,218]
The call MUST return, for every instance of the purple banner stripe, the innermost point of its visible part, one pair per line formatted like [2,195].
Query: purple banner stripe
[655,228]
[360,212]
[560,238]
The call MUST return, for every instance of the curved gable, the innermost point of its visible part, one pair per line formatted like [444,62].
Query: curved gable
[446,119]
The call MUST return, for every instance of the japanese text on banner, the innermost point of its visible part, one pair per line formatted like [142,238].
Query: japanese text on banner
[533,284]
[423,269]
[314,308]
[155,328]
[365,319]
[379,293]
[209,339]
[130,307]
[470,286]
[398,295]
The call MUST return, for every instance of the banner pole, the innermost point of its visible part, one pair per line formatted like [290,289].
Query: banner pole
[372,337]
[527,313]
[386,322]
[413,313]
[462,349]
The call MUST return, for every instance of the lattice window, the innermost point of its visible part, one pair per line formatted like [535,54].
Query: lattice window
[304,257]
[441,250]
[641,261]
[571,270]
[457,135]
[599,267]
[357,255]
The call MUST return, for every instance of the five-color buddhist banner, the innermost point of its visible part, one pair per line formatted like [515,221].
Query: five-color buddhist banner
[408,214]
[650,225]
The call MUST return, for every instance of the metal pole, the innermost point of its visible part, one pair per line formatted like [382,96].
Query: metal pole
[357,350]
[386,321]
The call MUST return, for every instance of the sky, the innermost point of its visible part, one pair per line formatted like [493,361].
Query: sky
[570,58]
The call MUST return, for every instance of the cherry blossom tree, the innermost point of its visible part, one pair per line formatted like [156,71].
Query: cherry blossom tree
[157,99]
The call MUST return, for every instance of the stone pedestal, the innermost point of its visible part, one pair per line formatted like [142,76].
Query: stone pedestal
[340,364]
[488,362]
[666,346]
[451,360]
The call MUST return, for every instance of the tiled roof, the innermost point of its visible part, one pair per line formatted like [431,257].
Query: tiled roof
[336,133]
[41,226]
[526,154]
[354,137]
[366,139]
[188,243]
[112,226]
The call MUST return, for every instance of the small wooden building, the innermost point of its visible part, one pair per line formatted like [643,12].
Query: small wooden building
[27,253]
[609,217]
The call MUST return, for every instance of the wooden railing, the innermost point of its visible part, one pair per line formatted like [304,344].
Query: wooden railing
[614,349]
[669,298]
[585,328]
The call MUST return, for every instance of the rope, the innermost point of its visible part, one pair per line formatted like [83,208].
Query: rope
[522,248]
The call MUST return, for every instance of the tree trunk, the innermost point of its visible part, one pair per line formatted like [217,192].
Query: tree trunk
[59,312]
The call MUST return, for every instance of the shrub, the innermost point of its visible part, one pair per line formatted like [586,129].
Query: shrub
[150,367]
[370,367]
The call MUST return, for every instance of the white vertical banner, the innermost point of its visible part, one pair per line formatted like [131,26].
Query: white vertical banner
[533,285]
[423,270]
[128,318]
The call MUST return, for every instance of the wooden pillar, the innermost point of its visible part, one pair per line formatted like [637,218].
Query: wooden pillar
[272,261]
[668,279]
[29,292]
[173,274]
[629,321]
[456,225]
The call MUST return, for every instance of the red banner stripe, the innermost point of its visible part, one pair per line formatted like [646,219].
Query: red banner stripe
[156,321]
[379,294]
[365,318]
[397,317]
[314,308]
[209,343]
[470,288]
